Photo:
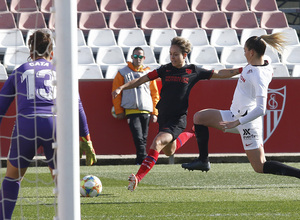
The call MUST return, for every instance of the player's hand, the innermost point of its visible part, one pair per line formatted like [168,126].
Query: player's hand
[229,124]
[121,116]
[87,148]
[116,93]
[154,118]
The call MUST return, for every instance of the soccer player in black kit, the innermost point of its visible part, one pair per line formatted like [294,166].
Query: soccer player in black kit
[178,78]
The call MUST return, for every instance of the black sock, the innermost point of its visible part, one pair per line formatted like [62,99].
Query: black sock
[277,168]
[202,135]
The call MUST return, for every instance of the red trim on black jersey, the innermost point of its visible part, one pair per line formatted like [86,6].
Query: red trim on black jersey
[153,75]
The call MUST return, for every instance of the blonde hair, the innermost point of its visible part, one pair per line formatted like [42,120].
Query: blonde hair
[184,44]
[276,40]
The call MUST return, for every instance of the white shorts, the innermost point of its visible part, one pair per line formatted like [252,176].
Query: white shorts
[251,132]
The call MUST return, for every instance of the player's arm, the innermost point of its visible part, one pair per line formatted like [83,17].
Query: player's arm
[226,73]
[259,110]
[130,85]
[7,95]
[85,145]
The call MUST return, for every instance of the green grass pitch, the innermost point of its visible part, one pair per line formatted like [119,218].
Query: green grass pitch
[227,191]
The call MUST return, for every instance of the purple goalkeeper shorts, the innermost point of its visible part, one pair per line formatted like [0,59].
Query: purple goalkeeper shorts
[28,135]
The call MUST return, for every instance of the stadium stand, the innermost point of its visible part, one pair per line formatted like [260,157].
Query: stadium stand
[51,22]
[91,20]
[273,19]
[290,34]
[183,20]
[15,56]
[10,38]
[170,6]
[223,38]
[232,56]
[85,55]
[204,55]
[243,20]
[19,6]
[138,7]
[80,38]
[31,20]
[3,5]
[161,38]
[197,37]
[87,5]
[120,20]
[46,8]
[108,6]
[107,56]
[199,6]
[296,71]
[3,73]
[260,6]
[99,38]
[164,56]
[131,38]
[91,71]
[291,56]
[153,20]
[7,20]
[112,71]
[280,70]
[272,55]
[249,32]
[230,6]
[212,20]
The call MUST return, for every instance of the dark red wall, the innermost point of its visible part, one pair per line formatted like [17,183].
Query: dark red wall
[111,136]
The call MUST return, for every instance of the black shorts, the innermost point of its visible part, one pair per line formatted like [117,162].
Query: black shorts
[174,125]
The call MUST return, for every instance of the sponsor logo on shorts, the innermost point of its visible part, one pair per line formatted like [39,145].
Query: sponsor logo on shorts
[247,135]
[275,109]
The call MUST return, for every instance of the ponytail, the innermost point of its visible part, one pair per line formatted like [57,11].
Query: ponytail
[258,44]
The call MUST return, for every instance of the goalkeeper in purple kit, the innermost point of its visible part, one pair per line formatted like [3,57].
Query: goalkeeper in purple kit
[32,86]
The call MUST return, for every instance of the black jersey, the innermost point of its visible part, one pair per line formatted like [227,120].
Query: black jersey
[176,86]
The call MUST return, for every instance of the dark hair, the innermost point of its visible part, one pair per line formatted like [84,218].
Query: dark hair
[137,48]
[258,44]
[184,44]
[40,44]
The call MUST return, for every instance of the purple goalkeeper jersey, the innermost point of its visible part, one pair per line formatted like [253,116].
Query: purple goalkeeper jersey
[32,85]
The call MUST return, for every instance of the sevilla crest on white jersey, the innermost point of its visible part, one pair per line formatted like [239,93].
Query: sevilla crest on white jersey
[275,109]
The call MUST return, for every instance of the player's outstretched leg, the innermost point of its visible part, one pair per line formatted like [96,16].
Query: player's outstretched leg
[133,181]
[202,163]
[197,164]
[184,137]
[146,166]
[277,168]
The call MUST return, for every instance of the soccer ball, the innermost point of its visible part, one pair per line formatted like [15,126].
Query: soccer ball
[90,186]
[113,113]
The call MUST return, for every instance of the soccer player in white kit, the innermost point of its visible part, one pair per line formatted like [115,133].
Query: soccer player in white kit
[246,111]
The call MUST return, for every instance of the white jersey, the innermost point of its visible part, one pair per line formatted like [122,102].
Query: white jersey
[253,82]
